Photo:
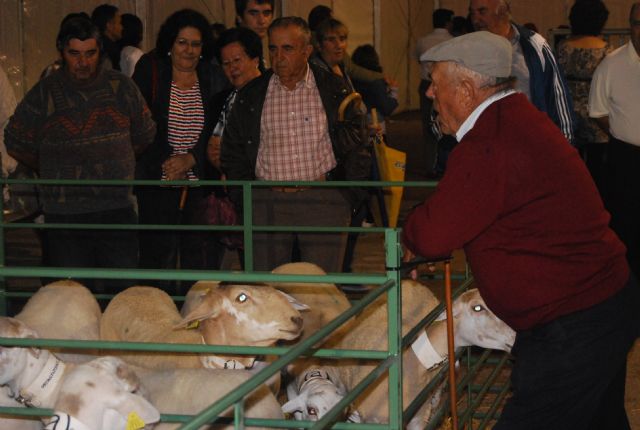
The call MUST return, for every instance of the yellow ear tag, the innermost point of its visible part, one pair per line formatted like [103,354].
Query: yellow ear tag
[193,325]
[134,422]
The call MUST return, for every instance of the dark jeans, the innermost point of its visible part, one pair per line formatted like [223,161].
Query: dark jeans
[570,373]
[169,249]
[95,248]
[622,197]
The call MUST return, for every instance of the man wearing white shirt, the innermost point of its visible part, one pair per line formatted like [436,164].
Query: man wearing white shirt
[613,102]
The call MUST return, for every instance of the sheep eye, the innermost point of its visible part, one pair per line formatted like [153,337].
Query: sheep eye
[478,308]
[312,411]
[242,298]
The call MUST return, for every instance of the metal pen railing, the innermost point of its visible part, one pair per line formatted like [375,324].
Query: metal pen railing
[390,359]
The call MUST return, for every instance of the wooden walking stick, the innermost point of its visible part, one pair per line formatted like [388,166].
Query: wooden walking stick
[450,343]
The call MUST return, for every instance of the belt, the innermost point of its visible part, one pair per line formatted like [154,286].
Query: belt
[289,189]
[298,188]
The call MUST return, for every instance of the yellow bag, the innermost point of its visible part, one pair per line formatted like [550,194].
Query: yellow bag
[391,165]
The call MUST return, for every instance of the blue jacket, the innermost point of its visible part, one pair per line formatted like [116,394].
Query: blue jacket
[547,85]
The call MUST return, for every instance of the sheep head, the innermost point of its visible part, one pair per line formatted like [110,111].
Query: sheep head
[101,394]
[316,393]
[475,324]
[14,359]
[246,314]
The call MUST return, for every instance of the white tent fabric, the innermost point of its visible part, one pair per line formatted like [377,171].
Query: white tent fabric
[29,27]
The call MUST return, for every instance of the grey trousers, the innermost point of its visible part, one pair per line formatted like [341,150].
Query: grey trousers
[309,207]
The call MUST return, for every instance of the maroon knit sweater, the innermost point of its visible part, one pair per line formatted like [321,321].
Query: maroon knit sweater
[520,202]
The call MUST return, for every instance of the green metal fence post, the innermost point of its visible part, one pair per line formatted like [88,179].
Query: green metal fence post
[3,284]
[394,323]
[247,222]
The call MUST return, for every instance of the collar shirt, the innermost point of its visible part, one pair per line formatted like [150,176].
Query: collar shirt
[519,67]
[471,119]
[437,36]
[615,92]
[294,134]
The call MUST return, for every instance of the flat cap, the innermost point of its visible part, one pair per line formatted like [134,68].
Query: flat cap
[480,51]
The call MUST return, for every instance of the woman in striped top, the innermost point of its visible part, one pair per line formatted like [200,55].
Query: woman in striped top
[175,80]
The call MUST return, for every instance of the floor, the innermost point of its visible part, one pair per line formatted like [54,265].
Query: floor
[404,132]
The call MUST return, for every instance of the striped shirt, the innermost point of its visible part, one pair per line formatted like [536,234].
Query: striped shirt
[294,134]
[186,121]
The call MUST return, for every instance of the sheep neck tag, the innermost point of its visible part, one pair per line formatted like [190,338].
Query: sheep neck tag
[44,384]
[426,353]
[134,422]
[314,375]
[62,421]
[215,362]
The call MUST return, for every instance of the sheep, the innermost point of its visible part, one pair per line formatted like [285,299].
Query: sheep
[64,310]
[189,391]
[176,391]
[328,302]
[99,395]
[254,315]
[474,324]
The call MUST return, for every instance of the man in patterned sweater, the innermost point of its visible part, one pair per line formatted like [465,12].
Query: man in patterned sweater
[83,122]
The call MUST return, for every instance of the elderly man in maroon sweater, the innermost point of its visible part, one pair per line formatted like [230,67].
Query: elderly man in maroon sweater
[520,202]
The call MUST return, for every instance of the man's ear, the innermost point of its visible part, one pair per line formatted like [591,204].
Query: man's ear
[308,50]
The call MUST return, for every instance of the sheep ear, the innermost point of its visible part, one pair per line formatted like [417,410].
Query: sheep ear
[34,351]
[208,308]
[297,305]
[295,404]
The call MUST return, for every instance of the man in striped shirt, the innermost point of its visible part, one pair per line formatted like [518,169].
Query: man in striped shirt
[284,127]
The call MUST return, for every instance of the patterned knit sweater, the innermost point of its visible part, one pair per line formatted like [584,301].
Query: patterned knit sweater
[68,131]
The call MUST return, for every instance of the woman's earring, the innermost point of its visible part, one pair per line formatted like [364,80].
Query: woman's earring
[201,57]
[169,54]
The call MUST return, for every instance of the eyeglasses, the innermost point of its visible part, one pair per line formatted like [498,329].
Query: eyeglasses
[183,43]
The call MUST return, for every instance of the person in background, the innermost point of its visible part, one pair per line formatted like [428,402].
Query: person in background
[321,13]
[379,95]
[239,51]
[130,43]
[175,81]
[109,21]
[375,94]
[7,107]
[535,66]
[84,122]
[217,28]
[579,55]
[256,15]
[460,25]
[58,62]
[613,103]
[284,126]
[332,40]
[442,25]
[517,198]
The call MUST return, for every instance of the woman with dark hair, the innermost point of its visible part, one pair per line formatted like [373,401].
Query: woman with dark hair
[130,43]
[239,51]
[579,55]
[174,80]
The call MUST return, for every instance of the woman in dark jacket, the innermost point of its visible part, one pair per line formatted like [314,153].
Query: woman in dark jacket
[175,81]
